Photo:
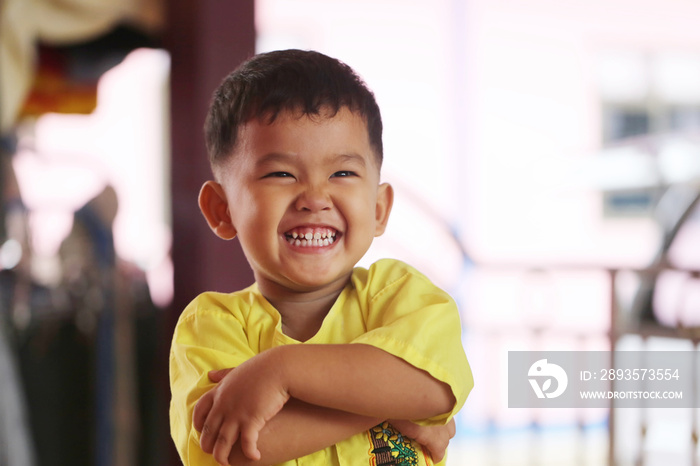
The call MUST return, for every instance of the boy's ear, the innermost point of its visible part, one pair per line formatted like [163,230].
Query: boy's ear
[214,206]
[385,200]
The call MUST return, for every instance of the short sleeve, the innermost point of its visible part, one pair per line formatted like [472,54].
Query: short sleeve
[207,337]
[411,318]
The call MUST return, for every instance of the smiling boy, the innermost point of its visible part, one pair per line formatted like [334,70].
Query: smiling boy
[319,362]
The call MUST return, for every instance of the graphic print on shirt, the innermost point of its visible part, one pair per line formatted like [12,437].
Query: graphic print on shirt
[390,447]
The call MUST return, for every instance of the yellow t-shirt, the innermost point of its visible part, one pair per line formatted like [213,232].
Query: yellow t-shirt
[391,306]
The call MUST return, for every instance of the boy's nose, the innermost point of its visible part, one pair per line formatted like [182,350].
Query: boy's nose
[314,199]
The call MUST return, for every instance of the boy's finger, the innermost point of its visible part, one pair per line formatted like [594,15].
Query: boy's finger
[452,429]
[201,411]
[249,443]
[210,433]
[437,457]
[217,375]
[224,443]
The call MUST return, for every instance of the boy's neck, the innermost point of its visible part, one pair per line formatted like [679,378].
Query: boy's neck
[302,312]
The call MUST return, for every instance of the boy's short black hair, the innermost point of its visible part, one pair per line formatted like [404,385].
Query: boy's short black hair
[287,80]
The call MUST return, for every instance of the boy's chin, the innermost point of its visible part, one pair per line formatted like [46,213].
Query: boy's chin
[316,282]
[305,285]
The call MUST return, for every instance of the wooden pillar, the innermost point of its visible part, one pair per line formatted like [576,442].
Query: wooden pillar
[206,39]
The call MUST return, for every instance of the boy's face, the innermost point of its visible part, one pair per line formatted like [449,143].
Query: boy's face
[303,196]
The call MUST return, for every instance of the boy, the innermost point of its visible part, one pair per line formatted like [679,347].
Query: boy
[318,362]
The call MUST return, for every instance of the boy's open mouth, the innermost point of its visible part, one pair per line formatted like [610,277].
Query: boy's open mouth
[311,237]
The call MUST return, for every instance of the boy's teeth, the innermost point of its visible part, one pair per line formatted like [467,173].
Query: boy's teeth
[311,237]
[311,242]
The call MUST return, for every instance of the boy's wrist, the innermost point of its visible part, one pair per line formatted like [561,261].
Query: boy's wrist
[278,366]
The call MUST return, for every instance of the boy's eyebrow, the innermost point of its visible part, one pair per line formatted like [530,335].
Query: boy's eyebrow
[352,157]
[279,157]
[272,157]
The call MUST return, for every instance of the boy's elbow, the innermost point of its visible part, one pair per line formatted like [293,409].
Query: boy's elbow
[439,400]
[446,400]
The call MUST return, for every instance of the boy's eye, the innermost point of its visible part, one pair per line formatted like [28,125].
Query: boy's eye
[344,173]
[279,175]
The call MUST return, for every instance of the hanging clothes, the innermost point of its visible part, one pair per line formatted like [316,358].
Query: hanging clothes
[61,24]
[16,445]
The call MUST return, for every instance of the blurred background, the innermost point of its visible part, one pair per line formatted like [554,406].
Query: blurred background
[546,162]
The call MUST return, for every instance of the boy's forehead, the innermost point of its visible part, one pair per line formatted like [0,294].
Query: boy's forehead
[290,132]
[288,118]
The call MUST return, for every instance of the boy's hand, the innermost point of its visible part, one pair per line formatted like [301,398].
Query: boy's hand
[237,409]
[435,439]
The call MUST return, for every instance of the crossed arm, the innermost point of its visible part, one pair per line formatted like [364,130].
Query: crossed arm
[265,409]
